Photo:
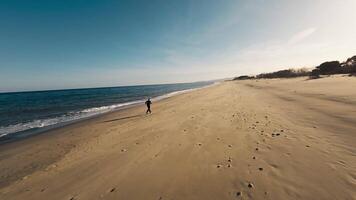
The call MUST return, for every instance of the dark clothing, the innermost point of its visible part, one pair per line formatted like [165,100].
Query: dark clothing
[148,104]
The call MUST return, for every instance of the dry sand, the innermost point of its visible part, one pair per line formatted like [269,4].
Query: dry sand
[265,139]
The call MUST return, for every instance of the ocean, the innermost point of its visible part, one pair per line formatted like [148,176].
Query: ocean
[23,114]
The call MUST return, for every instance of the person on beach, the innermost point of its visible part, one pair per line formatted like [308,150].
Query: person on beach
[148,104]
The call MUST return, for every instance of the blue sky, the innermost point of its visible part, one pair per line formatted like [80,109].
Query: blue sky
[74,44]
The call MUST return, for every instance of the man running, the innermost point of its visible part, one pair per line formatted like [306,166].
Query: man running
[148,104]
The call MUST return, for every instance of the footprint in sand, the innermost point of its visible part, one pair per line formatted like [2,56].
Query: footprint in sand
[275,134]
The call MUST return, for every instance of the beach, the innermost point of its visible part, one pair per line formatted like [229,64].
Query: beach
[253,139]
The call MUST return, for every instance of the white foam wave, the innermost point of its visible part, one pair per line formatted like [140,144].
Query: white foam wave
[39,123]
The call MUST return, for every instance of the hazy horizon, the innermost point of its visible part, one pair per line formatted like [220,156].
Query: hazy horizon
[84,44]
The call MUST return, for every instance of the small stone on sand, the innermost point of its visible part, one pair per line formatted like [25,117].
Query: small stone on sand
[238,193]
[260,168]
[250,185]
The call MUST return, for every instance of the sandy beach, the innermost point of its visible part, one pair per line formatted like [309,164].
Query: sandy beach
[254,139]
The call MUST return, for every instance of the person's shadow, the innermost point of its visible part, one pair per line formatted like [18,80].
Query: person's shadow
[122,118]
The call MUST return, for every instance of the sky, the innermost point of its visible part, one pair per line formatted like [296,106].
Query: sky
[85,43]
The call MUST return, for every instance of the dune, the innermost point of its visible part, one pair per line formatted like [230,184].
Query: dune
[252,139]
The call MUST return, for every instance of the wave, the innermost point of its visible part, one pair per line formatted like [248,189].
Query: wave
[79,115]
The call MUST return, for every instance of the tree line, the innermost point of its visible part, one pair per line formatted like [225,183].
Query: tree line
[326,68]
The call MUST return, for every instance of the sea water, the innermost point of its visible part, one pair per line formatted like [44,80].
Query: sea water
[25,113]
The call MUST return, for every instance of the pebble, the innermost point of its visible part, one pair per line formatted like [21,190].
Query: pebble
[238,193]
[250,185]
[260,168]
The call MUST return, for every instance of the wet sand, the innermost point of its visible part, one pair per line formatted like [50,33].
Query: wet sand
[264,139]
